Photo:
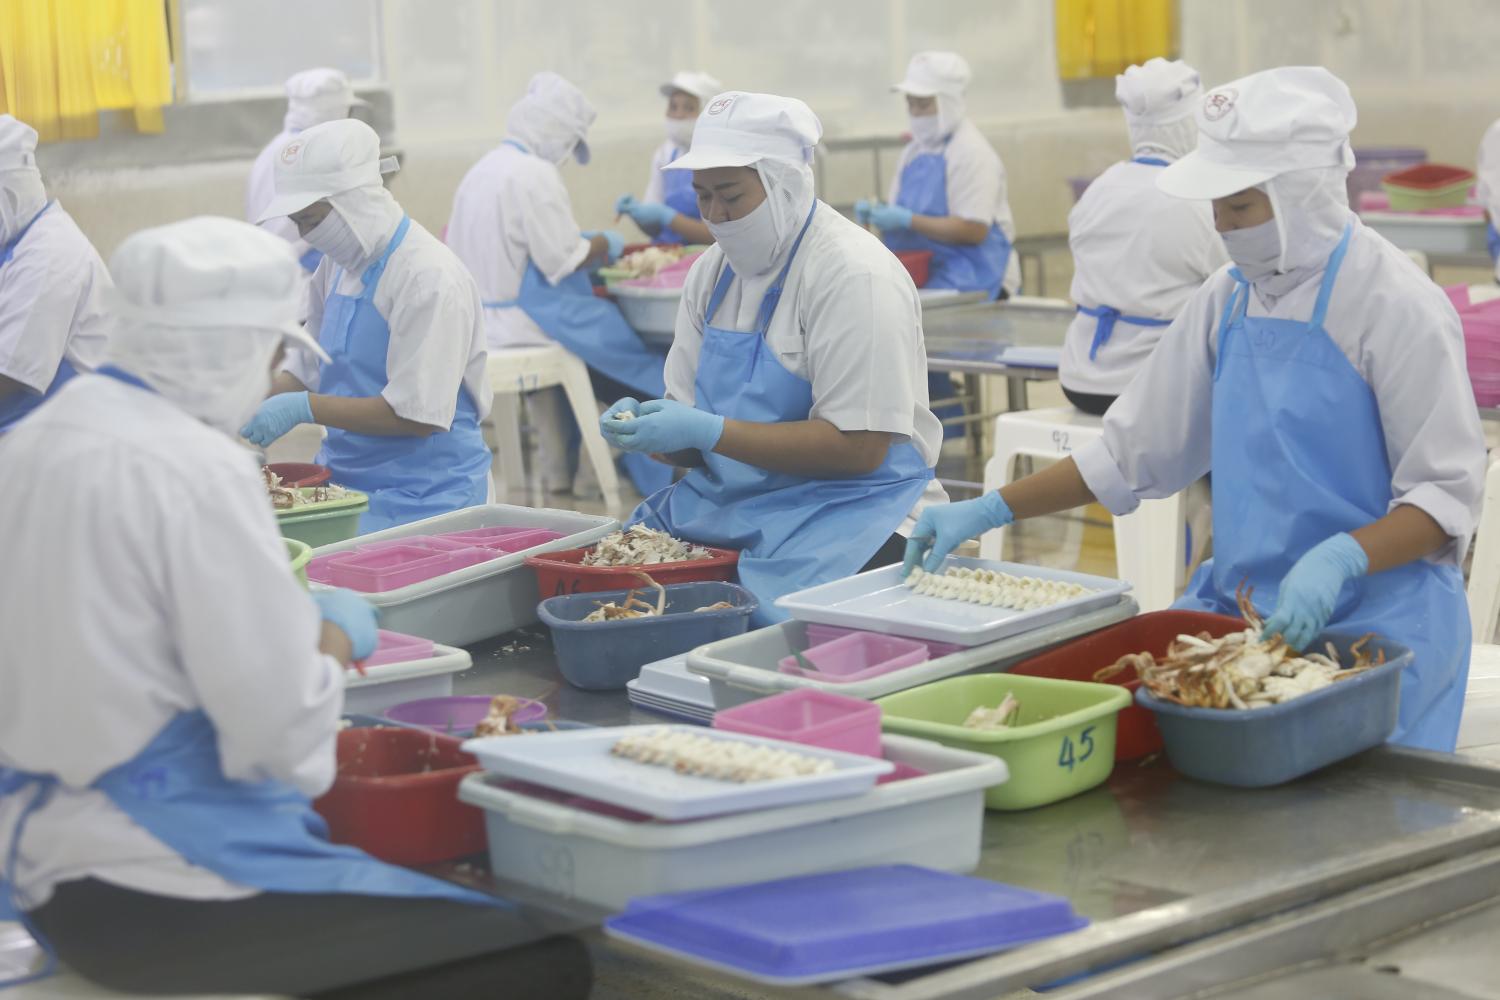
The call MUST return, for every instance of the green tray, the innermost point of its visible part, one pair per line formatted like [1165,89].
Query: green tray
[1064,743]
[1405,199]
[300,554]
[320,524]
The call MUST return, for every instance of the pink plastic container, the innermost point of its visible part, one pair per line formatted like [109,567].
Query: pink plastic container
[394,566]
[809,716]
[857,657]
[436,543]
[819,635]
[395,647]
[502,539]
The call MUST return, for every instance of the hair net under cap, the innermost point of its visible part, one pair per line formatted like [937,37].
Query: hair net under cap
[325,160]
[17,144]
[552,119]
[700,85]
[738,129]
[21,193]
[930,74]
[315,96]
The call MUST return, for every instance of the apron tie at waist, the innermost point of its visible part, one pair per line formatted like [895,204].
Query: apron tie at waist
[1107,317]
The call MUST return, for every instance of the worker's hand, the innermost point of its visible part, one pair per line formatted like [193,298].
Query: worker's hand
[862,211]
[944,527]
[615,241]
[623,203]
[353,615]
[664,425]
[277,415]
[889,217]
[651,214]
[1310,590]
[610,418]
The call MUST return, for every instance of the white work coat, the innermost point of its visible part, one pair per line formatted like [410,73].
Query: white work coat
[149,580]
[655,186]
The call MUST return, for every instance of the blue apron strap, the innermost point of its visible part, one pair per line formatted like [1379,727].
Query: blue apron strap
[14,782]
[721,287]
[1107,317]
[515,145]
[1149,161]
[372,274]
[1234,309]
[7,251]
[773,294]
[121,375]
[1325,291]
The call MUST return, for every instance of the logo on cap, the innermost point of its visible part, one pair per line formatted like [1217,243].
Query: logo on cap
[1219,103]
[720,106]
[290,151]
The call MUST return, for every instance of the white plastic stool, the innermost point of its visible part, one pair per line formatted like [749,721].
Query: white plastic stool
[525,369]
[1484,571]
[1149,543]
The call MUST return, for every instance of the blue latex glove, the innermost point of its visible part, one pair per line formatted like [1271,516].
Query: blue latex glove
[944,527]
[615,240]
[651,213]
[623,203]
[662,426]
[626,405]
[1310,590]
[862,211]
[276,416]
[890,217]
[354,615]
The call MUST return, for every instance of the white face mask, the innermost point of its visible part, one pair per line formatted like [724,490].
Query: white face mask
[748,242]
[334,237]
[1256,251]
[680,131]
[927,129]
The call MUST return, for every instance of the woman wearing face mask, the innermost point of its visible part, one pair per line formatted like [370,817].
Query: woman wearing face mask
[399,315]
[1322,380]
[668,212]
[796,384]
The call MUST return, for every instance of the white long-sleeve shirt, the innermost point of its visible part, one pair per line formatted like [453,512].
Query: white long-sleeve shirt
[148,579]
[1396,328]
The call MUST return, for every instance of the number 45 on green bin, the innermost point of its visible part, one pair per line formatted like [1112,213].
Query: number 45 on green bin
[1066,755]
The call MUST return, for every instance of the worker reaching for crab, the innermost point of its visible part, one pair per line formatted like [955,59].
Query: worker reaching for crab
[1322,381]
[797,380]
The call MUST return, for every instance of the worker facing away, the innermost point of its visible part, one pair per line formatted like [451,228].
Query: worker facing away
[399,317]
[1322,380]
[668,211]
[801,452]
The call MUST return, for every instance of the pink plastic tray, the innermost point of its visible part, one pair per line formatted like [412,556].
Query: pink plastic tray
[388,567]
[857,657]
[818,635]
[502,539]
[395,647]
[809,716]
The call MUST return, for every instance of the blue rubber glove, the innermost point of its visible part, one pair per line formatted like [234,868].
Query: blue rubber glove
[662,426]
[944,527]
[888,217]
[862,211]
[623,203]
[616,244]
[354,615]
[626,405]
[651,213]
[276,416]
[1311,589]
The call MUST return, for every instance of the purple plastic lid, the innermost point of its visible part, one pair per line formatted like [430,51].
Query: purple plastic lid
[458,712]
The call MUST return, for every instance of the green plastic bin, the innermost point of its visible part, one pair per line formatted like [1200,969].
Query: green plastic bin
[300,553]
[329,521]
[1063,745]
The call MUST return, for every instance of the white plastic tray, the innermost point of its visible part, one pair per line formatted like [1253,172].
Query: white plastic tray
[935,820]
[1454,234]
[392,683]
[580,763]
[878,601]
[668,686]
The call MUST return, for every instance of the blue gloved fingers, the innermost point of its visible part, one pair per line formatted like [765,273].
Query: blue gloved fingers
[862,211]
[943,545]
[277,415]
[918,543]
[628,404]
[354,616]
[616,244]
[651,406]
[623,203]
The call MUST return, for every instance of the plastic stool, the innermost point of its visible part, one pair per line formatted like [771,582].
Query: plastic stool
[1149,542]
[1484,572]
[516,370]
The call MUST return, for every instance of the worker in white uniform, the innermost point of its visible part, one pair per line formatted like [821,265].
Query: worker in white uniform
[1488,170]
[512,224]
[171,696]
[400,317]
[797,380]
[313,96]
[1138,253]
[668,211]
[1322,380]
[51,283]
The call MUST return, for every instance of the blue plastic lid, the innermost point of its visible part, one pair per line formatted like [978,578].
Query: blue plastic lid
[817,928]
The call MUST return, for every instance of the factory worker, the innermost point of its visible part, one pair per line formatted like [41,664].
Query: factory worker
[313,96]
[51,282]
[1489,190]
[1322,380]
[796,384]
[156,766]
[949,194]
[512,225]
[399,316]
[668,212]
[1138,253]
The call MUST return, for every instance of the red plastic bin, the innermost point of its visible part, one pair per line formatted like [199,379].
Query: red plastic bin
[396,797]
[1429,177]
[1151,633]
[561,573]
[918,264]
[295,475]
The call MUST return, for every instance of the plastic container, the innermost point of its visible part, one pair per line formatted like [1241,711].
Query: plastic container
[575,852]
[298,474]
[458,715]
[324,523]
[818,635]
[1136,735]
[816,718]
[605,656]
[394,647]
[502,539]
[1254,748]
[918,264]
[300,554]
[484,600]
[384,684]
[560,573]
[648,310]
[395,566]
[1063,744]
[395,797]
[1429,185]
[1372,163]
[857,656]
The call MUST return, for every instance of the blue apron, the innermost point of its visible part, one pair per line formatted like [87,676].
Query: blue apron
[1492,240]
[407,478]
[1108,316]
[794,532]
[678,194]
[1298,456]
[311,260]
[21,402]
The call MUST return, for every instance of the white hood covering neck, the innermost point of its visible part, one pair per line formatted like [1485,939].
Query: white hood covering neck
[373,215]
[22,196]
[552,119]
[789,196]
[1312,209]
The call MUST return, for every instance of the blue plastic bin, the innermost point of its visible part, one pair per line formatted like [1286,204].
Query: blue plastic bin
[605,656]
[1257,747]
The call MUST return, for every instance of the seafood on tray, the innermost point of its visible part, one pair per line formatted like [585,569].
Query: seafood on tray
[500,721]
[649,261]
[1002,716]
[1240,670]
[721,760]
[994,588]
[286,497]
[642,546]
[634,607]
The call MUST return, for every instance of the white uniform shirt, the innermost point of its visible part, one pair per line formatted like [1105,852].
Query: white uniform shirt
[155,583]
[261,188]
[1142,252]
[1489,178]
[849,322]
[511,208]
[1396,328]
[437,334]
[665,153]
[51,302]
[976,186]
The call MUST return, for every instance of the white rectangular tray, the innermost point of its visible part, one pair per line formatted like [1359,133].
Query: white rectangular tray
[580,762]
[392,683]
[878,601]
[670,681]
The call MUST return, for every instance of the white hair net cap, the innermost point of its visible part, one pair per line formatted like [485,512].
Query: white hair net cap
[552,119]
[943,75]
[21,193]
[699,84]
[1159,98]
[315,96]
[325,160]
[739,129]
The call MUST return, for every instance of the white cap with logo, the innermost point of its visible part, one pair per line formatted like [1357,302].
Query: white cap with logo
[738,129]
[325,160]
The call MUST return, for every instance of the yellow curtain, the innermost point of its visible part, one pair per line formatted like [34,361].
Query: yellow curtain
[64,61]
[1101,37]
